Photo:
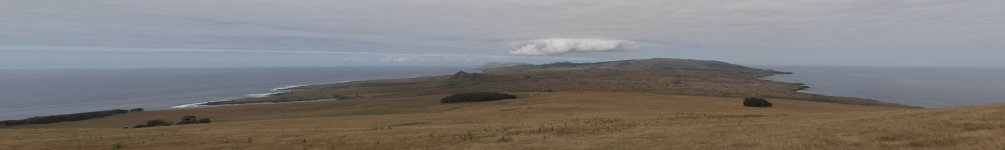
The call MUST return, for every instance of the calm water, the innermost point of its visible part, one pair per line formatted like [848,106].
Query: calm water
[26,93]
[926,87]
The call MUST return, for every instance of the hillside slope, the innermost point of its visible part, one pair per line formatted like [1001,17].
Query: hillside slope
[659,75]
[556,120]
[634,104]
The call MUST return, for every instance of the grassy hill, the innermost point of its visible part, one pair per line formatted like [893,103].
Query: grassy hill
[556,120]
[660,75]
[609,105]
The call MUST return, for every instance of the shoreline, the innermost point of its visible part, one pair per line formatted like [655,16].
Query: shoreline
[802,86]
[275,91]
[279,90]
[286,89]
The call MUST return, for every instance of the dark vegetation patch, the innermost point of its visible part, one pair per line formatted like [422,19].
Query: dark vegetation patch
[190,119]
[187,119]
[410,123]
[476,97]
[153,123]
[756,102]
[512,109]
[66,117]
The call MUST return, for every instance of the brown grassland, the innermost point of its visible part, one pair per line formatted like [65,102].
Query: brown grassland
[412,118]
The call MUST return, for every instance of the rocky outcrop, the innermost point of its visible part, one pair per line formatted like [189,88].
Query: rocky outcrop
[461,75]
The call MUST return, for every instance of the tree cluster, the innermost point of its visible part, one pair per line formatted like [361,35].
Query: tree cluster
[187,119]
[476,97]
[756,102]
[64,117]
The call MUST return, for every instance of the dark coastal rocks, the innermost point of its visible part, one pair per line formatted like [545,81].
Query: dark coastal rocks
[780,72]
[802,87]
[136,110]
[756,102]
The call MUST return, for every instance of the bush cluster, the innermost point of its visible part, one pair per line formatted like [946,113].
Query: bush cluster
[187,119]
[476,97]
[63,117]
[153,123]
[756,102]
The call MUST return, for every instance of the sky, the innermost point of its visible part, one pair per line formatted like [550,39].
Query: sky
[253,33]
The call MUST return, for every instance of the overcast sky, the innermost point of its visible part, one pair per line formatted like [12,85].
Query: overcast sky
[226,33]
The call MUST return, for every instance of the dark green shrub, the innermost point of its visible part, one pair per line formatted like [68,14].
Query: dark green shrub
[756,102]
[11,123]
[188,119]
[157,122]
[118,146]
[62,118]
[153,123]
[476,97]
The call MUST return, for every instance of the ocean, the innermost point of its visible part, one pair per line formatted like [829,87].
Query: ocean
[917,86]
[35,92]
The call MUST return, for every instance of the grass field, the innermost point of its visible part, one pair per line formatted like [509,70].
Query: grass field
[635,104]
[546,120]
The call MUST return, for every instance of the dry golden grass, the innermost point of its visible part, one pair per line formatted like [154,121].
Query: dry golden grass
[559,120]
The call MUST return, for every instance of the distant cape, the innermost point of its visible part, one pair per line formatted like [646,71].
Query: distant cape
[504,64]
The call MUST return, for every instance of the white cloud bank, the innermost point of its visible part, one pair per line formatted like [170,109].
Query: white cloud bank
[558,46]
[891,32]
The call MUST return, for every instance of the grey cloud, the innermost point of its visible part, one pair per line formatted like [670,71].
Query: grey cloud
[724,30]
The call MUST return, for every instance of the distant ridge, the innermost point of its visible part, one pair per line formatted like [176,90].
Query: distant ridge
[637,65]
[504,64]
[656,75]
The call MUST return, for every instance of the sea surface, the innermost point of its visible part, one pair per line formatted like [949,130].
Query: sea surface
[916,86]
[35,92]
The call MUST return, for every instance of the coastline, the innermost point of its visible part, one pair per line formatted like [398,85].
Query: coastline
[283,90]
[279,92]
[802,86]
[275,91]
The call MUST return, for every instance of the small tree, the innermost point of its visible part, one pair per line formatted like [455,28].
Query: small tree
[756,102]
[157,122]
